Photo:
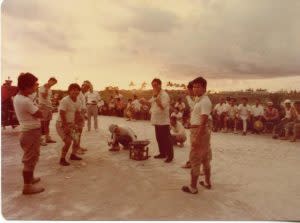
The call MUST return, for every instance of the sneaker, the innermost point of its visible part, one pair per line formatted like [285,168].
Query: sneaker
[74,157]
[63,162]
[32,189]
[160,156]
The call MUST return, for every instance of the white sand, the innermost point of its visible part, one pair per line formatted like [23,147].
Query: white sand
[254,178]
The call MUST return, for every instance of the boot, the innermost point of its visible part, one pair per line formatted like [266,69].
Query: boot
[28,187]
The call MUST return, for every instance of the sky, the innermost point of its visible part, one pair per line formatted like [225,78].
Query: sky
[234,44]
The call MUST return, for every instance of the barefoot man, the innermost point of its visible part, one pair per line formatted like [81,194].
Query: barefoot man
[200,137]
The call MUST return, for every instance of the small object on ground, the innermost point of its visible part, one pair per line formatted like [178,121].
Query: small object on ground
[83,164]
[68,177]
[138,150]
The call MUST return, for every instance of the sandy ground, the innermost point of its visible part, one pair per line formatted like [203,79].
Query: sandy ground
[254,178]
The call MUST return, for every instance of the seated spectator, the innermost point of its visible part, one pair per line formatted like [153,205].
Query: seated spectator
[120,135]
[257,114]
[177,114]
[292,129]
[136,105]
[244,114]
[112,106]
[271,117]
[145,111]
[289,116]
[119,107]
[230,119]
[180,105]
[129,110]
[219,112]
[177,132]
[118,95]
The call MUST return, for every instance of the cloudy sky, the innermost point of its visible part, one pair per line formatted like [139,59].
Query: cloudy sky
[235,44]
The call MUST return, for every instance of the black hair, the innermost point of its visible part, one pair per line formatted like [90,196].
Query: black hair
[201,81]
[26,80]
[52,79]
[74,86]
[190,85]
[156,80]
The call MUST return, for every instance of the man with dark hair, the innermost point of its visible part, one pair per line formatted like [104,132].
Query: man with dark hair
[28,115]
[160,106]
[69,114]
[45,105]
[200,137]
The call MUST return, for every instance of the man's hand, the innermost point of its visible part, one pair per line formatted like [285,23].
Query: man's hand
[158,102]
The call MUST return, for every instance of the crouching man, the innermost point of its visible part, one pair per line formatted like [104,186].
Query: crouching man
[177,132]
[120,135]
[28,115]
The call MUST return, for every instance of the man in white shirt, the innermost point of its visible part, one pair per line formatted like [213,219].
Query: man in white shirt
[177,132]
[80,125]
[160,106]
[69,114]
[200,137]
[136,105]
[92,100]
[28,115]
[219,112]
[45,105]
[231,116]
[244,114]
[257,114]
[121,135]
[190,102]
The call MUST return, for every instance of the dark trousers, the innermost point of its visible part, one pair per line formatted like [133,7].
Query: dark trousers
[164,140]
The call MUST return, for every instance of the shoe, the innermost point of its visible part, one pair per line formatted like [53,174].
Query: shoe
[83,149]
[32,189]
[43,144]
[168,160]
[190,190]
[80,152]
[50,141]
[74,157]
[35,180]
[187,166]
[63,162]
[160,156]
[244,133]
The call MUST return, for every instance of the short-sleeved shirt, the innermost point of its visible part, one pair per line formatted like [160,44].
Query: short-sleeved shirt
[25,108]
[244,110]
[202,107]
[160,116]
[190,101]
[92,97]
[45,101]
[136,105]
[81,98]
[70,107]
[257,110]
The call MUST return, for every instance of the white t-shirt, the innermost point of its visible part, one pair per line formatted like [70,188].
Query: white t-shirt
[70,107]
[160,116]
[257,110]
[190,102]
[288,113]
[178,130]
[136,105]
[232,111]
[244,110]
[25,108]
[81,98]
[202,107]
[220,108]
[45,101]
[92,97]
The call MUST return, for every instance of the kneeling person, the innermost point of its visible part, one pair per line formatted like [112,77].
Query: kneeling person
[177,132]
[122,135]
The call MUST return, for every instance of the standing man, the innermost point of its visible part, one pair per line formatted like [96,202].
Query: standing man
[28,113]
[80,125]
[45,105]
[92,100]
[160,106]
[200,137]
